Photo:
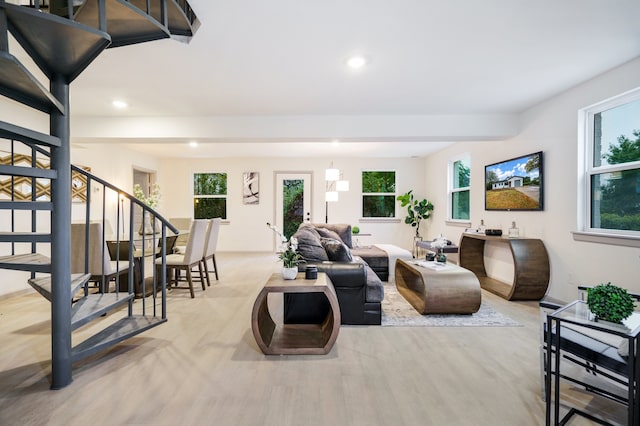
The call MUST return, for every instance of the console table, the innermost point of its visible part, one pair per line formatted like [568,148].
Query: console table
[295,339]
[530,261]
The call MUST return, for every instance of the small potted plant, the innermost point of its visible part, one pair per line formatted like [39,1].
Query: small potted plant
[288,254]
[610,303]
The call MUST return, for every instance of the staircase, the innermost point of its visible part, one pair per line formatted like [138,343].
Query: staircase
[38,182]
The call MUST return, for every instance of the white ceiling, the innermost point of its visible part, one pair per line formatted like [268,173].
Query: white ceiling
[426,57]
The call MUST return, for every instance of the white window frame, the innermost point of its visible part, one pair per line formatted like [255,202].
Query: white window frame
[225,196]
[586,169]
[394,194]
[451,190]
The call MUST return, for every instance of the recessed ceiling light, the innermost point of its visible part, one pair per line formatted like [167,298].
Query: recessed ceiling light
[356,62]
[193,144]
[119,104]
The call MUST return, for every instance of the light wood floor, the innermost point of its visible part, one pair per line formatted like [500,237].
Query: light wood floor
[203,367]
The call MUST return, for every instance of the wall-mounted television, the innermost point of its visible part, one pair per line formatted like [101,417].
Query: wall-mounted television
[515,184]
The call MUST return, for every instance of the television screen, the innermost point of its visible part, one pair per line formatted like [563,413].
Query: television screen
[514,184]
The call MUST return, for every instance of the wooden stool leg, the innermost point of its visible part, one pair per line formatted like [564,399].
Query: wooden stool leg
[215,266]
[190,279]
[206,271]
[202,275]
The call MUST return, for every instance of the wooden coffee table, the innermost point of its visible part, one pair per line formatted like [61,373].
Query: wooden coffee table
[295,339]
[433,289]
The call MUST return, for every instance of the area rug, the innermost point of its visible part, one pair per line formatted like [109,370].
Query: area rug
[396,311]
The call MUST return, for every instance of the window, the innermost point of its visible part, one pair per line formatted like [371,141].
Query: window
[459,192]
[612,166]
[378,194]
[209,195]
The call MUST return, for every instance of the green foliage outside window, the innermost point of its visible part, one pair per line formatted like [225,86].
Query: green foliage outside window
[209,195]
[292,205]
[378,194]
[460,195]
[616,195]
[210,184]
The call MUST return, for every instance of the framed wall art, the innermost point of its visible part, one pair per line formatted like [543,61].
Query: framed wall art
[251,188]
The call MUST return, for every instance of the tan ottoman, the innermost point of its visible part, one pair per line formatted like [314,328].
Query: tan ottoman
[438,288]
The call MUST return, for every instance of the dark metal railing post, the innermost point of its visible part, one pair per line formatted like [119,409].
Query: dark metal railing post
[102,15]
[60,240]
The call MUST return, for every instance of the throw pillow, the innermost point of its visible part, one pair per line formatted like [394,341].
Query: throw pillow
[309,245]
[336,250]
[328,233]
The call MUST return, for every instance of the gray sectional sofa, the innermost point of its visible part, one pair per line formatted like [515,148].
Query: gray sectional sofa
[358,288]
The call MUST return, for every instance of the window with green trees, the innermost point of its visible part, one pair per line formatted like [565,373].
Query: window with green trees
[613,171]
[209,195]
[378,194]
[459,188]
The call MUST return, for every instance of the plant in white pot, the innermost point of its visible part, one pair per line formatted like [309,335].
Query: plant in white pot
[288,254]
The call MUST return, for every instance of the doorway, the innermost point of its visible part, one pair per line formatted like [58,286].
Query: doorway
[293,201]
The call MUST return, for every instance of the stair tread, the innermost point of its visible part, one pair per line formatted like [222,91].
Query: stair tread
[33,262]
[25,237]
[40,34]
[17,83]
[43,284]
[182,21]
[25,205]
[126,23]
[94,305]
[114,334]
[28,171]
[11,131]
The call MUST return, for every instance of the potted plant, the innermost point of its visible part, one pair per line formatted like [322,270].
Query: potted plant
[152,200]
[288,254]
[416,210]
[610,303]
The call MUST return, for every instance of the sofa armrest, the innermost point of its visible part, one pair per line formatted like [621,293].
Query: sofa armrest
[342,274]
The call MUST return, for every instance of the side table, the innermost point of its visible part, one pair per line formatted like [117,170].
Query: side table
[577,313]
[295,339]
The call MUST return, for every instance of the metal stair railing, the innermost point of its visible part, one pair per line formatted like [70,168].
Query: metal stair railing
[151,246]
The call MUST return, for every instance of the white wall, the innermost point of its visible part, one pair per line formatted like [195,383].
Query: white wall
[550,127]
[246,230]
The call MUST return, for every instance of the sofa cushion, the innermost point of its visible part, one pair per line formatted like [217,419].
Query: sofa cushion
[336,250]
[309,245]
[328,233]
[342,229]
[375,289]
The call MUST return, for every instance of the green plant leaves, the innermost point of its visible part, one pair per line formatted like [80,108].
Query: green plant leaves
[610,303]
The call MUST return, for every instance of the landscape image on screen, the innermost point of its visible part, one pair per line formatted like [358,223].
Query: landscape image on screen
[514,184]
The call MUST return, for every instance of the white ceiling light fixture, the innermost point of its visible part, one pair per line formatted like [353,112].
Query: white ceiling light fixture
[356,62]
[119,104]
[193,144]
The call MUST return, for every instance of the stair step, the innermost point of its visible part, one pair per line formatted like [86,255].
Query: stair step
[11,131]
[182,20]
[17,83]
[32,262]
[94,305]
[25,237]
[43,285]
[126,23]
[28,172]
[114,334]
[58,45]
[26,205]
